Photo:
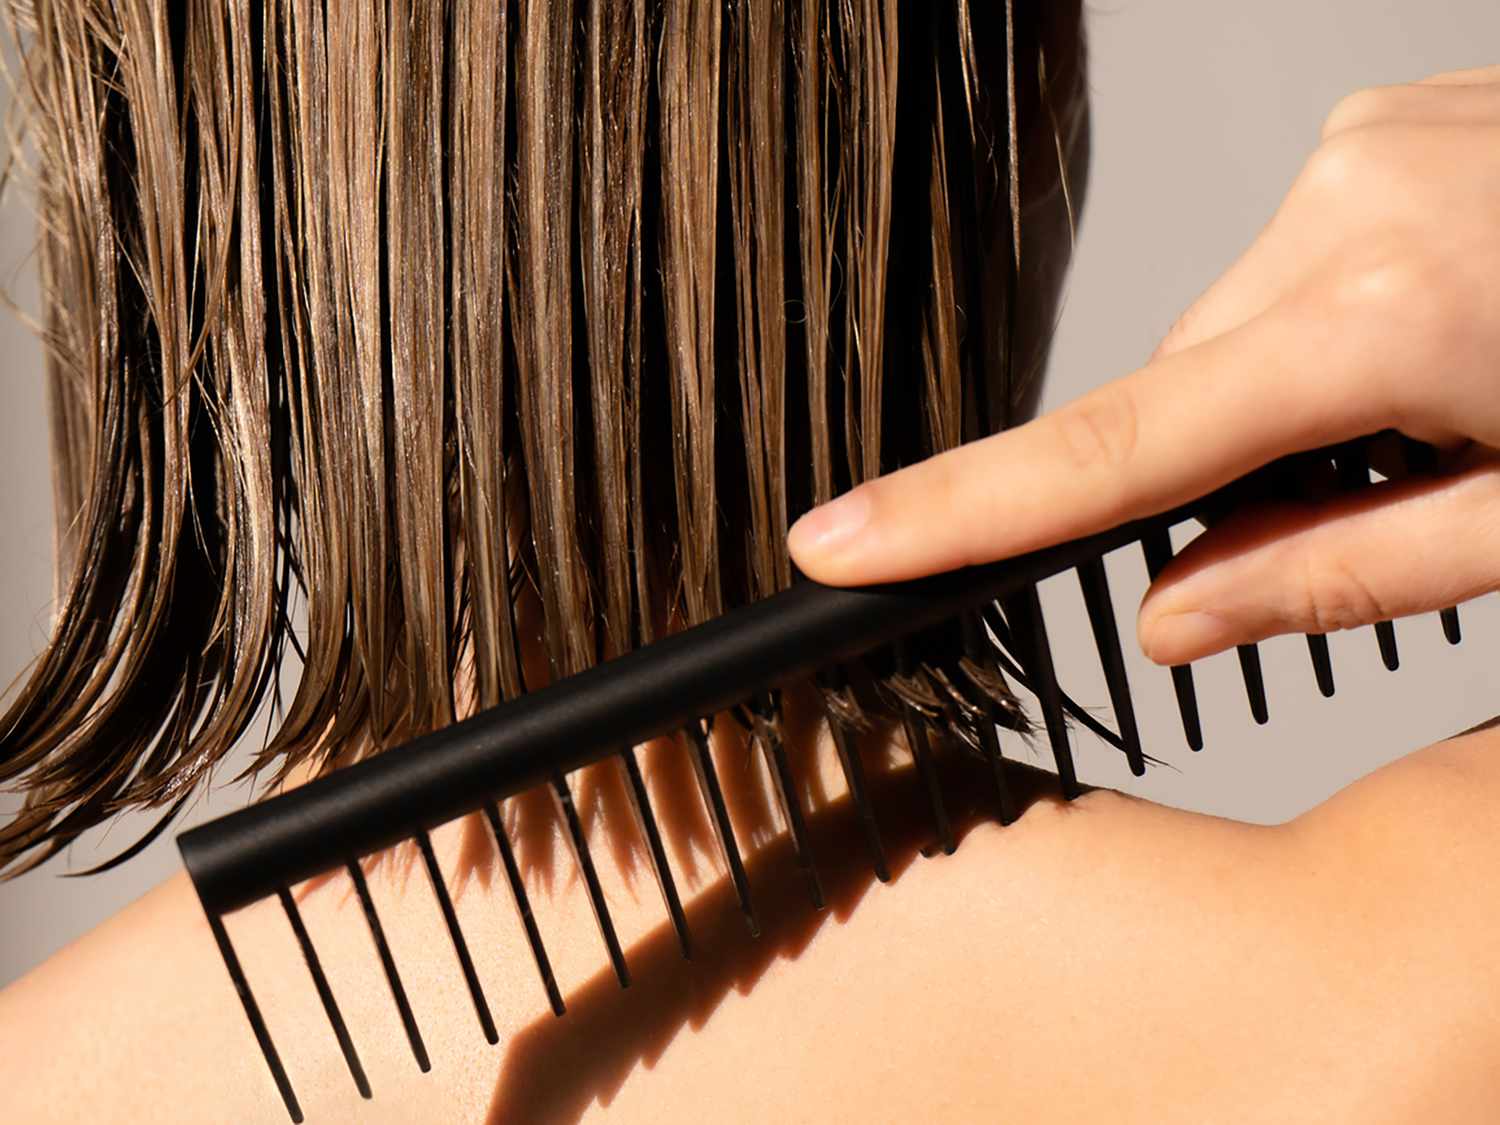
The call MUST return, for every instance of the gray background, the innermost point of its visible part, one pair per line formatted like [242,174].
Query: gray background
[1203,114]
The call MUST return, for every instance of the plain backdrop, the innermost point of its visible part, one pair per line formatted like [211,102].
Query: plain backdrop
[1204,112]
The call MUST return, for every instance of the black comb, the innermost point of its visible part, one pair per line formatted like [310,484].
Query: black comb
[734,665]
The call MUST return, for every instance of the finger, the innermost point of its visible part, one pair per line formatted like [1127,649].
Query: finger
[1320,218]
[1391,551]
[1173,431]
[1475,76]
[1273,265]
[1420,104]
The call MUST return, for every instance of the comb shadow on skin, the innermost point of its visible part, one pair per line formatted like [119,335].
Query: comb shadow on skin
[553,1070]
[745,800]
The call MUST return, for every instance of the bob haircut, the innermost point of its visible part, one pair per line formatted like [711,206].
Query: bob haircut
[485,341]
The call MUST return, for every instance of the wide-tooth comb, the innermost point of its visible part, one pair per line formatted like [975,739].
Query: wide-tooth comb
[733,664]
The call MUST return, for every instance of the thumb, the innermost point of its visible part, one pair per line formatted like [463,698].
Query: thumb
[1392,550]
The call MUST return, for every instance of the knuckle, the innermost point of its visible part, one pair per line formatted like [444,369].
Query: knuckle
[1403,289]
[1363,107]
[1337,596]
[1099,432]
[1344,164]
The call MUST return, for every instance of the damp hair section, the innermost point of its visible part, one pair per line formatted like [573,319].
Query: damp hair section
[437,351]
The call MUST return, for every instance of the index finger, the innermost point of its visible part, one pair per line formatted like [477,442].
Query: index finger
[1162,436]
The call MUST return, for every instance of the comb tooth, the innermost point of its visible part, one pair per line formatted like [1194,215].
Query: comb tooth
[989,742]
[1157,545]
[461,947]
[854,775]
[1289,484]
[1096,598]
[252,1012]
[645,819]
[1027,607]
[393,978]
[1255,682]
[1385,634]
[1187,705]
[585,860]
[1317,648]
[1353,465]
[325,992]
[1418,457]
[989,734]
[767,734]
[523,907]
[921,753]
[1451,628]
[718,815]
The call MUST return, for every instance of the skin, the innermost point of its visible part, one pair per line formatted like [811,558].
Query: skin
[1371,301]
[1105,960]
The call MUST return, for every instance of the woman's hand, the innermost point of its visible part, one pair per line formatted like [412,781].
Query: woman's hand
[1371,301]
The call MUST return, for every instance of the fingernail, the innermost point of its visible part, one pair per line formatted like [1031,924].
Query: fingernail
[1176,638]
[830,527]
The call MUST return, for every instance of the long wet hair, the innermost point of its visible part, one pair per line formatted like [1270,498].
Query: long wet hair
[456,331]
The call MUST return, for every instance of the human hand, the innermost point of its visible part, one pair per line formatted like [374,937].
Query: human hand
[1370,302]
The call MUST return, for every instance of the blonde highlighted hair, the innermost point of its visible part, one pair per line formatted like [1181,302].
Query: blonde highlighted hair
[416,311]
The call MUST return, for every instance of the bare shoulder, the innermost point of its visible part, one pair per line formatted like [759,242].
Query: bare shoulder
[1108,960]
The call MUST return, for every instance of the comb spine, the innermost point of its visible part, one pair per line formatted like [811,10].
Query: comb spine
[644,694]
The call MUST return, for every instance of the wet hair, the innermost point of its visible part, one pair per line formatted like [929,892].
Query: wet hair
[455,332]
